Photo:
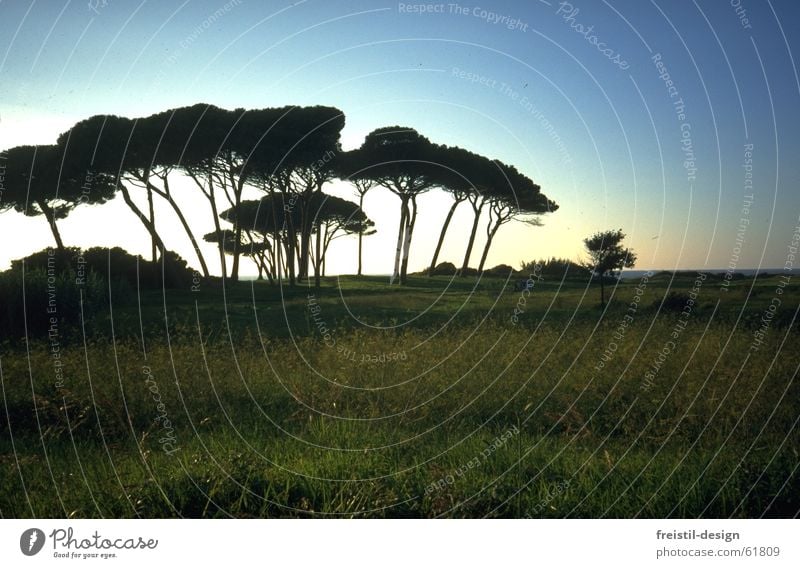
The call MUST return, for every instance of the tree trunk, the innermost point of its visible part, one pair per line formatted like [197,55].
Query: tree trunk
[212,201]
[400,234]
[152,213]
[50,215]
[602,291]
[143,218]
[167,195]
[305,237]
[326,242]
[489,237]
[291,243]
[411,221]
[318,264]
[279,260]
[478,210]
[441,236]
[237,228]
[273,257]
[360,233]
[237,231]
[222,262]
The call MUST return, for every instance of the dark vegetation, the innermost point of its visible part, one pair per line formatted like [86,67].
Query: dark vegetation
[66,289]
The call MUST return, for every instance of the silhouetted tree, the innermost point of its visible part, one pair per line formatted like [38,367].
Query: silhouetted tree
[513,196]
[330,217]
[40,181]
[291,150]
[193,140]
[457,168]
[402,161]
[158,157]
[335,217]
[250,245]
[607,255]
[263,218]
[482,175]
[348,163]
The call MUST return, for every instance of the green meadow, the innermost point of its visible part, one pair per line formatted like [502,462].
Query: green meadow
[441,398]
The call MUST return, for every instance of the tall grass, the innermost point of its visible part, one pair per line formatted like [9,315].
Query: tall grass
[387,423]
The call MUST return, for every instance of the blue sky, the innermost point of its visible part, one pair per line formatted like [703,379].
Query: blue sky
[598,131]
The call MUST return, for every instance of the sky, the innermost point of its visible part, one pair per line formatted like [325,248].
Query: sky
[674,121]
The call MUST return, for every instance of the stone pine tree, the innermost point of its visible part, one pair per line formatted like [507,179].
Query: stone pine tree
[112,145]
[402,161]
[40,180]
[513,196]
[348,163]
[456,170]
[607,255]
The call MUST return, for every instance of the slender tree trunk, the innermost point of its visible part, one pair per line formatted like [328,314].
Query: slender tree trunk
[287,255]
[50,215]
[273,259]
[236,253]
[326,242]
[477,210]
[441,236]
[602,291]
[167,195]
[237,228]
[411,221]
[279,260]
[143,218]
[212,201]
[291,243]
[489,238]
[218,228]
[400,234]
[152,213]
[305,235]
[360,233]
[318,264]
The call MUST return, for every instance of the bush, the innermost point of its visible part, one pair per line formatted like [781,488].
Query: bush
[60,260]
[52,283]
[673,302]
[502,270]
[444,269]
[38,300]
[137,272]
[555,268]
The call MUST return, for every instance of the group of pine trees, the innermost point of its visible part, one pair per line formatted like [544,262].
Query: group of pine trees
[287,156]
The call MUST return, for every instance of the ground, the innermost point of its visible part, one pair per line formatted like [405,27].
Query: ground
[445,397]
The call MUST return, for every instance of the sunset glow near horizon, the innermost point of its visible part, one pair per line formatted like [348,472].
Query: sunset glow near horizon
[674,122]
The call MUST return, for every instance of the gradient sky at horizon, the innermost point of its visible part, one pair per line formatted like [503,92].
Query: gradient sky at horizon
[603,141]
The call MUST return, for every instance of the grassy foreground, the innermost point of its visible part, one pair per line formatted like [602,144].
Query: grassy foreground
[434,400]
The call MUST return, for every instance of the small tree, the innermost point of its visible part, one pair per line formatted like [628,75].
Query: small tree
[607,255]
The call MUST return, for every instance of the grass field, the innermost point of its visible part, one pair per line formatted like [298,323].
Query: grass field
[442,398]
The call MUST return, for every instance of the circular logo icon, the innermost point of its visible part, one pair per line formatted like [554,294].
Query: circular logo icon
[31,542]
